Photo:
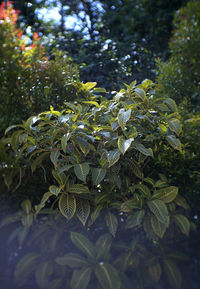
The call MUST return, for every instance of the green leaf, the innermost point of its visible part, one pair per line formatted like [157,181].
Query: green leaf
[159,209]
[123,144]
[81,278]
[173,274]
[135,220]
[144,189]
[26,206]
[99,89]
[136,169]
[95,214]
[174,142]
[64,141]
[103,245]
[15,139]
[81,171]
[180,201]
[72,260]
[163,128]
[82,210]
[113,157]
[141,148]
[112,223]
[54,190]
[123,117]
[10,128]
[83,144]
[175,126]
[155,271]
[42,274]
[171,104]
[98,175]
[83,244]
[79,189]
[37,162]
[167,195]
[44,199]
[54,157]
[25,267]
[63,169]
[89,85]
[158,227]
[67,205]
[141,93]
[183,223]
[107,276]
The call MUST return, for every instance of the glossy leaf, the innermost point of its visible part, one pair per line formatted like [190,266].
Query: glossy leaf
[167,194]
[113,157]
[54,190]
[79,189]
[54,157]
[174,142]
[159,209]
[123,117]
[141,148]
[64,141]
[81,171]
[175,126]
[67,205]
[124,144]
[98,174]
[82,210]
[171,104]
[83,145]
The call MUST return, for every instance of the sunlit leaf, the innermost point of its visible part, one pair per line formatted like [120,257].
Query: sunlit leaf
[124,144]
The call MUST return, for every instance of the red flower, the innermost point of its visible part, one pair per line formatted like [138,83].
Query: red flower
[20,33]
[35,36]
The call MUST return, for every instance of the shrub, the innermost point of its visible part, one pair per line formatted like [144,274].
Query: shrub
[31,81]
[98,160]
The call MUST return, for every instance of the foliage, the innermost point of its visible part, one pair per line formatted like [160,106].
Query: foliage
[178,78]
[98,155]
[30,80]
[101,185]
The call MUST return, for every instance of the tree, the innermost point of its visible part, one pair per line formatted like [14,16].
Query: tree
[30,80]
